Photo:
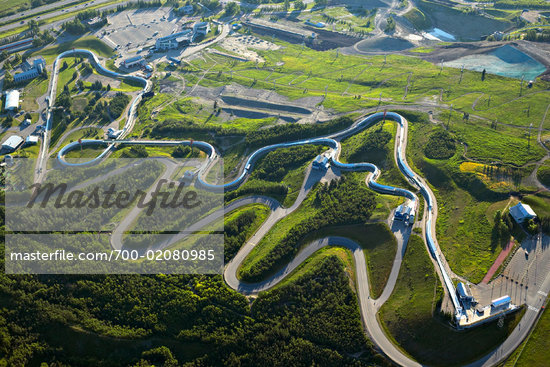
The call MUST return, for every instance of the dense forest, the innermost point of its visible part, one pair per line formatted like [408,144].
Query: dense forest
[187,320]
[181,320]
[342,201]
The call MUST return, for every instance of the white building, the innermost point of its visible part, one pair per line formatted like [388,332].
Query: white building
[522,212]
[32,71]
[12,100]
[175,40]
[31,140]
[12,143]
[201,29]
[321,162]
[133,61]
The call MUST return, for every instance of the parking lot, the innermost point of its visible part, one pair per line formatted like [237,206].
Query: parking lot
[137,28]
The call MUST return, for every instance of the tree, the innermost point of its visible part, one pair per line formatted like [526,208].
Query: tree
[75,75]
[321,3]
[299,5]
[286,5]
[498,216]
[390,25]
[8,79]
[483,75]
[8,122]
[64,66]
[33,27]
[16,59]
[64,100]
[4,55]
[231,9]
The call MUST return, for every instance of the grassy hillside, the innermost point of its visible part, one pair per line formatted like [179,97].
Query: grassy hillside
[418,19]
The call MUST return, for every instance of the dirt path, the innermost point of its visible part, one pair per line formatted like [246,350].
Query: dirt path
[498,262]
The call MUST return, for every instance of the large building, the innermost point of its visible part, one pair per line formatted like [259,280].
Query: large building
[132,61]
[32,69]
[12,100]
[12,143]
[31,140]
[502,303]
[522,212]
[174,40]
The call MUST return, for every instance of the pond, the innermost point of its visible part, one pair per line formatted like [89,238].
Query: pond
[506,61]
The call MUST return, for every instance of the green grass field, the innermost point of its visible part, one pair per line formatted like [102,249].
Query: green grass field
[277,233]
[418,19]
[463,229]
[31,91]
[85,152]
[87,133]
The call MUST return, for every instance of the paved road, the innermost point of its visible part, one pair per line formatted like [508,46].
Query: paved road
[81,6]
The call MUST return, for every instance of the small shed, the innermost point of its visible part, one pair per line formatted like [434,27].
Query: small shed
[522,212]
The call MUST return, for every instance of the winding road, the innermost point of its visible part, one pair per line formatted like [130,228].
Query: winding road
[368,306]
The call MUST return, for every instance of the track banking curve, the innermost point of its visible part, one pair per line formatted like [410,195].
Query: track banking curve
[43,153]
[367,306]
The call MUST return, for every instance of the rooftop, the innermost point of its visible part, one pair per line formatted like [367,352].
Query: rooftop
[12,99]
[13,142]
[521,212]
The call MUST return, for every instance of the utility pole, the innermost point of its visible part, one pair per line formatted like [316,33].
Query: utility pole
[489,101]
[521,86]
[441,67]
[450,114]
[529,136]
[461,73]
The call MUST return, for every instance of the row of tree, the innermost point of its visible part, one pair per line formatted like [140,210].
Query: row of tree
[289,132]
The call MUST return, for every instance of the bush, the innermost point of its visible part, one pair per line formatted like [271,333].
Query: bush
[543,174]
[441,145]
[137,151]
[118,104]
